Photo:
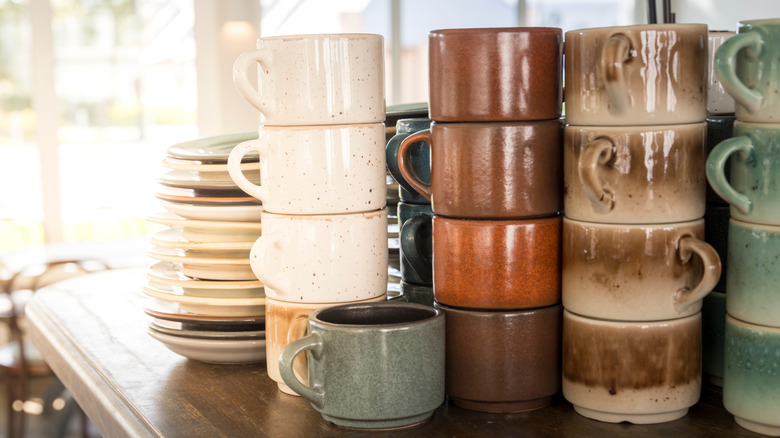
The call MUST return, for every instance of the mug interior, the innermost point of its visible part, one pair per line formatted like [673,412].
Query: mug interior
[380,314]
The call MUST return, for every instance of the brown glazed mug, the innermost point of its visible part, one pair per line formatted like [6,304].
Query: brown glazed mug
[636,272]
[653,74]
[490,170]
[634,174]
[505,361]
[495,74]
[640,372]
[497,264]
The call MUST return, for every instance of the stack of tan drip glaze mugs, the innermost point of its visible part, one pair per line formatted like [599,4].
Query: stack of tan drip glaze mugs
[322,171]
[495,190]
[635,266]
[748,66]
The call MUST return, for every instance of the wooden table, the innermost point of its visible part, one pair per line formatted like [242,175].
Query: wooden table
[92,331]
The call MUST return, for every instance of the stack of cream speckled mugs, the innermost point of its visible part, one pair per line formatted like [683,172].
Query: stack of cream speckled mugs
[635,265]
[748,66]
[322,169]
[496,195]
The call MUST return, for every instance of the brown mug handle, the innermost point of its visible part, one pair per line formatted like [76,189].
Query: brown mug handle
[596,154]
[405,166]
[686,297]
[614,54]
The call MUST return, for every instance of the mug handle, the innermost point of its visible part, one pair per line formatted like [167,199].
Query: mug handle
[597,153]
[295,331]
[689,245]
[716,171]
[234,167]
[405,166]
[391,153]
[260,260]
[725,69]
[241,79]
[614,54]
[412,251]
[313,343]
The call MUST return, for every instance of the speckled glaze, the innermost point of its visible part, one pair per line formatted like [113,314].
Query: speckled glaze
[654,74]
[637,372]
[647,272]
[490,170]
[284,323]
[316,169]
[495,74]
[751,380]
[372,365]
[753,284]
[419,159]
[322,258]
[753,187]
[315,79]
[634,174]
[719,127]
[416,243]
[505,361]
[718,100]
[497,264]
[713,326]
[716,233]
[746,65]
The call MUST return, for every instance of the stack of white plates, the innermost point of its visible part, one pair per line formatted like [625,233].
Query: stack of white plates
[204,300]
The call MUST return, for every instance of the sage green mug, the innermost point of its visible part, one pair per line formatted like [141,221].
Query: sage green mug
[374,366]
[753,187]
[747,66]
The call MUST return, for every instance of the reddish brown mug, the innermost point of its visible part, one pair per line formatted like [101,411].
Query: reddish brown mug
[490,170]
[497,264]
[495,74]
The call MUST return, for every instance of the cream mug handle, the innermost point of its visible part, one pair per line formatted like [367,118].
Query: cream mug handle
[725,69]
[689,245]
[263,58]
[237,175]
[614,54]
[261,262]
[596,154]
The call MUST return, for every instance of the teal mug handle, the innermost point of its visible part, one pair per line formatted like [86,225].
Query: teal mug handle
[411,247]
[716,171]
[725,68]
[313,343]
[391,152]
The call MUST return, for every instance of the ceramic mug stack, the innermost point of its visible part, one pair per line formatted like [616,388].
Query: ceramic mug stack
[322,178]
[748,66]
[635,265]
[495,192]
[414,215]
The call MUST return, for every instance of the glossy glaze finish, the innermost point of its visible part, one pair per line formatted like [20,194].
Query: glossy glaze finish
[505,361]
[718,100]
[372,366]
[719,128]
[322,258]
[644,272]
[315,79]
[419,159]
[634,174]
[636,75]
[747,64]
[490,170]
[751,388]
[416,243]
[631,371]
[495,74]
[753,157]
[497,264]
[753,284]
[316,169]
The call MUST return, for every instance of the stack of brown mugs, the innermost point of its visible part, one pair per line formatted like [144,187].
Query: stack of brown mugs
[635,266]
[496,194]
[322,171]
[748,67]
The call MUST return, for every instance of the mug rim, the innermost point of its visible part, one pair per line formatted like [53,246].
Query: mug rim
[637,226]
[436,314]
[637,27]
[670,322]
[316,36]
[754,225]
[496,30]
[327,216]
[641,128]
[317,128]
[770,330]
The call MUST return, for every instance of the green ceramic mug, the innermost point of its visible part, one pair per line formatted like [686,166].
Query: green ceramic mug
[754,273]
[753,188]
[747,66]
[372,366]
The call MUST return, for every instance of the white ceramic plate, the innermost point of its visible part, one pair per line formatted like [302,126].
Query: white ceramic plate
[192,196]
[179,329]
[210,306]
[211,150]
[205,268]
[171,311]
[230,213]
[213,350]
[238,297]
[189,179]
[209,231]
[173,238]
[197,166]
[169,274]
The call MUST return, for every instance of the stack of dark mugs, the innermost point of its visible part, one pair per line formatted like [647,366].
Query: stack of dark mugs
[496,196]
